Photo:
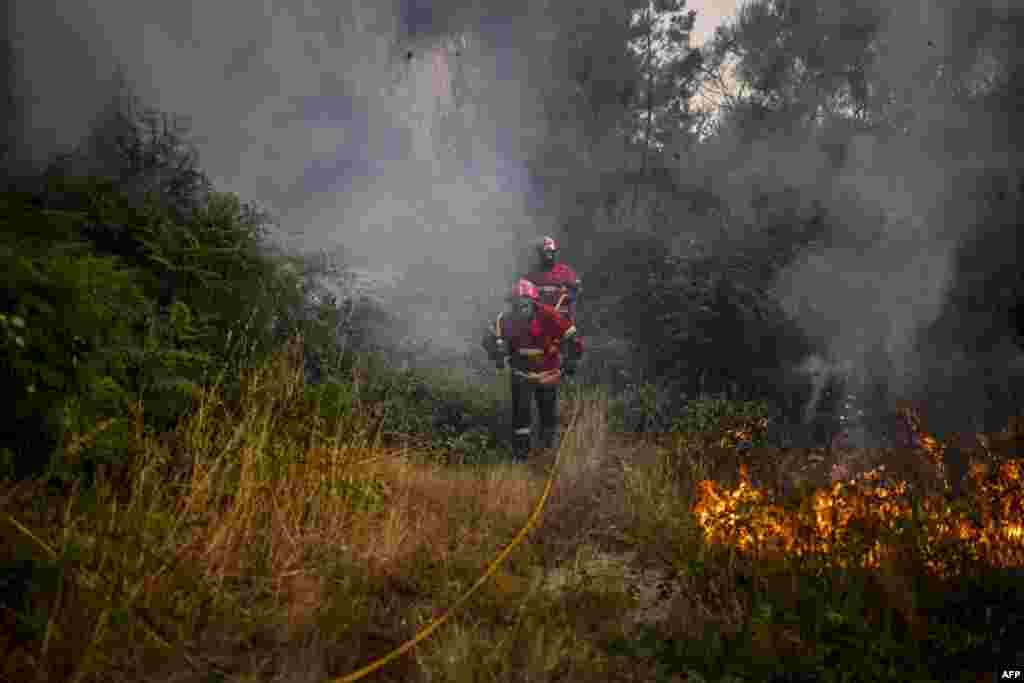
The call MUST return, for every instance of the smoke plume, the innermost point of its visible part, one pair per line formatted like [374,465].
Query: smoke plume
[901,211]
[400,132]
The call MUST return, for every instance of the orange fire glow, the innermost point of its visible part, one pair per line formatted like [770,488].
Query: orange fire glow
[859,521]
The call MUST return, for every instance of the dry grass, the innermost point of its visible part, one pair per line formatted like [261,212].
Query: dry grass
[259,543]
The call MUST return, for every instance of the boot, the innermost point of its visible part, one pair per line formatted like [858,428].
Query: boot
[549,439]
[520,448]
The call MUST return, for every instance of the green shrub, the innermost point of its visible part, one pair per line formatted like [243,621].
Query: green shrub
[856,633]
[87,328]
[475,446]
[460,418]
[71,316]
[718,416]
[642,408]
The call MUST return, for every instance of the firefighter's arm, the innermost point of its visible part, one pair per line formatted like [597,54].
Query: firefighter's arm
[496,345]
[569,339]
[572,342]
[572,349]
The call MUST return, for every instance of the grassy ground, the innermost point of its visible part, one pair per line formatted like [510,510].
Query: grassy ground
[261,542]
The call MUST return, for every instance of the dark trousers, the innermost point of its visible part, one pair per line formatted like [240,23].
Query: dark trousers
[523,395]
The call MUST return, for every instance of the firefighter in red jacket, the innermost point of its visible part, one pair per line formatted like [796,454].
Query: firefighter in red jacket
[533,336]
[558,283]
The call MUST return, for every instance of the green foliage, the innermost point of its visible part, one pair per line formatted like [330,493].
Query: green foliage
[107,300]
[361,494]
[71,314]
[718,415]
[169,363]
[22,582]
[832,613]
[655,408]
[335,398]
[705,322]
[475,446]
[982,616]
[659,39]
[13,328]
[461,418]
[855,632]
[714,657]
[644,408]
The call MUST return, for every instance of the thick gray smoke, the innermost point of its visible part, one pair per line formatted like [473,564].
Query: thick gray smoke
[332,114]
[406,145]
[905,206]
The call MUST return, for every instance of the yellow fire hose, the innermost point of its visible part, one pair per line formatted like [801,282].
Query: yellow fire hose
[435,623]
[546,377]
[491,568]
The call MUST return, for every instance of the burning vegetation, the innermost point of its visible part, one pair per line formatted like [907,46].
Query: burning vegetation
[861,520]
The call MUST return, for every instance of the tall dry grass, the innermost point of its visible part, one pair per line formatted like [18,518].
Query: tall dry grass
[257,541]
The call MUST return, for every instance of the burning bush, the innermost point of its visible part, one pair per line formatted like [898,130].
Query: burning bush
[862,519]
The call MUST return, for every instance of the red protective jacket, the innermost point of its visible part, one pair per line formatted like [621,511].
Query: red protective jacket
[534,344]
[553,283]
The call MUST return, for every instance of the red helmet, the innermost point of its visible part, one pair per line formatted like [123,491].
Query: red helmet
[547,251]
[547,246]
[524,288]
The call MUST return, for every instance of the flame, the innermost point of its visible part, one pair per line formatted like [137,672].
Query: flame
[861,520]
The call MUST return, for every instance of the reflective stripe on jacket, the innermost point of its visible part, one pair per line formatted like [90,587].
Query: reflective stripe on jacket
[534,344]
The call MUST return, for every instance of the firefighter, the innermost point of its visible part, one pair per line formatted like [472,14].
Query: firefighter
[533,337]
[558,283]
